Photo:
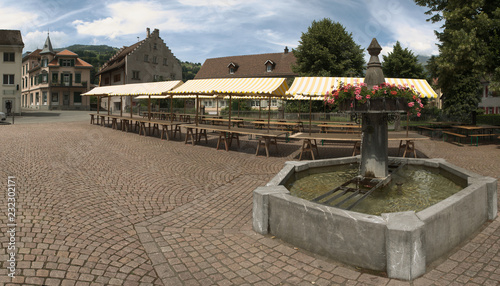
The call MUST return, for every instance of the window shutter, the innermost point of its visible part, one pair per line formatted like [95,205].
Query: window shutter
[72,63]
[60,62]
[70,79]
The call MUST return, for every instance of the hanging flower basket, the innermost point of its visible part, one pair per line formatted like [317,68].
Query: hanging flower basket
[381,98]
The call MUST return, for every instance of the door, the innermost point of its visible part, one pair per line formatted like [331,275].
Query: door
[66,99]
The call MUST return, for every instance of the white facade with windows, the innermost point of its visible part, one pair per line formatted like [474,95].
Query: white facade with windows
[11,48]
[490,100]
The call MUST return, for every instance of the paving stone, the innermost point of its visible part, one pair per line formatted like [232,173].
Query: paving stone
[87,216]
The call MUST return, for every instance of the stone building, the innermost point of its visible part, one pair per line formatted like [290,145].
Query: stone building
[145,61]
[11,49]
[259,65]
[54,80]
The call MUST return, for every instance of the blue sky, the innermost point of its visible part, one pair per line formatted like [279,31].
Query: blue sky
[199,29]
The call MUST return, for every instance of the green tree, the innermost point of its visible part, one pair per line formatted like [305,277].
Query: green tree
[327,49]
[189,70]
[469,50]
[402,64]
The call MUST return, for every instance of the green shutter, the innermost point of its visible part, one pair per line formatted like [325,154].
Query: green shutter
[60,62]
[72,63]
[70,79]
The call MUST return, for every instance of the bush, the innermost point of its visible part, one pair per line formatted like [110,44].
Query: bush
[488,119]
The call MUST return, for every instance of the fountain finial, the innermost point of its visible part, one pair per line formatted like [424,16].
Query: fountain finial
[374,73]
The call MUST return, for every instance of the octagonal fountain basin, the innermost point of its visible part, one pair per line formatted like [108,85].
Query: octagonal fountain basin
[397,229]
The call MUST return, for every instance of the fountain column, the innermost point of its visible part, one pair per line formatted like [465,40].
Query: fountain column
[374,156]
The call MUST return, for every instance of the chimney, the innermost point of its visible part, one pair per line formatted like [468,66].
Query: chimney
[286,50]
[149,32]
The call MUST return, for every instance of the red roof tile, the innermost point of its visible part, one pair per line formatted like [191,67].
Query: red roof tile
[248,66]
[67,53]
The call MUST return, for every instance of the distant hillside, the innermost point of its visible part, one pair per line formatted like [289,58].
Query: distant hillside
[189,70]
[95,48]
[423,59]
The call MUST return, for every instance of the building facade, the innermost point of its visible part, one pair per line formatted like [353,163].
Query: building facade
[260,65]
[54,80]
[146,61]
[490,100]
[11,50]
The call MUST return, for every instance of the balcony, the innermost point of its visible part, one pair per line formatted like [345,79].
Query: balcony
[67,84]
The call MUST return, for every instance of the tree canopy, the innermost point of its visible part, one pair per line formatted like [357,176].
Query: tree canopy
[402,64]
[469,50]
[327,49]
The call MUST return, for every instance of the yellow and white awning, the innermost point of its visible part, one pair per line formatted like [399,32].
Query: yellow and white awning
[234,86]
[304,88]
[101,91]
[147,88]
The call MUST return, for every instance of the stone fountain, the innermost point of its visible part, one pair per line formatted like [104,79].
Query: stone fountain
[402,243]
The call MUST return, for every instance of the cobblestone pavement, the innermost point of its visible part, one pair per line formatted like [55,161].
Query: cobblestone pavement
[96,206]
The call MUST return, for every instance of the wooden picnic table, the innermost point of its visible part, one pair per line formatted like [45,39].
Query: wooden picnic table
[168,128]
[309,141]
[347,128]
[226,135]
[287,125]
[214,121]
[473,131]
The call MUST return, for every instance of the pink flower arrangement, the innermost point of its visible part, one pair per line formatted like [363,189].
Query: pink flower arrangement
[361,93]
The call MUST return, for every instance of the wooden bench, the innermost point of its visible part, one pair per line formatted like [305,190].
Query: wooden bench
[455,135]
[426,128]
[479,135]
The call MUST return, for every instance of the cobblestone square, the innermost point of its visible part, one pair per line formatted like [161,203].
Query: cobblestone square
[97,206]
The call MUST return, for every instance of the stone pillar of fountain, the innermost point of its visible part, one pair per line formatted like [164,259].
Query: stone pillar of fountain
[374,156]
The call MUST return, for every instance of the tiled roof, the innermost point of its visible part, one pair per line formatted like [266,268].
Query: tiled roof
[11,37]
[248,66]
[67,53]
[81,63]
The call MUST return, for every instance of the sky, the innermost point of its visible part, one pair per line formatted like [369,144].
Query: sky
[195,30]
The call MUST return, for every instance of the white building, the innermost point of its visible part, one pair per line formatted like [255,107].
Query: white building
[490,100]
[11,49]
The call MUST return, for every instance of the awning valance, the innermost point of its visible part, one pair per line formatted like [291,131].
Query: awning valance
[316,87]
[234,86]
[147,88]
[100,91]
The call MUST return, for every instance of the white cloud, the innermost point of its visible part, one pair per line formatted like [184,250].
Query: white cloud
[36,39]
[404,22]
[16,18]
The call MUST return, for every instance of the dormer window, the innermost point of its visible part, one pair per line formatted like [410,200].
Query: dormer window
[232,67]
[269,65]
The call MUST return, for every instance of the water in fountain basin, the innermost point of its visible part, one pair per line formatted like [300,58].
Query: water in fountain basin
[421,187]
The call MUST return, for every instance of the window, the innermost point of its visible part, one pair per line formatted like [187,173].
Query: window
[44,78]
[9,57]
[77,97]
[274,102]
[78,78]
[67,62]
[155,46]
[165,62]
[146,58]
[255,103]
[135,75]
[157,77]
[231,70]
[106,81]
[44,98]
[55,97]
[66,78]
[116,78]
[8,79]
[155,60]
[269,68]
[207,103]
[45,63]
[55,77]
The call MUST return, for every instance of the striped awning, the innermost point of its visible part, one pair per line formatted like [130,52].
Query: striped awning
[316,87]
[147,88]
[100,91]
[234,86]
